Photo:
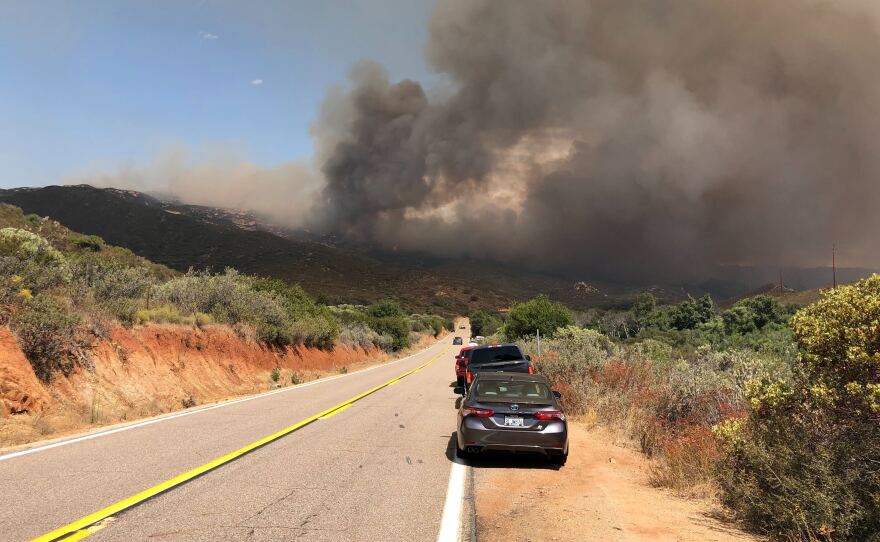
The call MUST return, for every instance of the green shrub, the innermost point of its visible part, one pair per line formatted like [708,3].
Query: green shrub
[30,257]
[753,314]
[431,323]
[349,314]
[692,312]
[117,289]
[318,331]
[653,349]
[385,309]
[359,334]
[229,298]
[167,314]
[88,242]
[275,375]
[416,325]
[485,323]
[295,299]
[395,327]
[803,462]
[29,246]
[537,314]
[46,333]
[576,352]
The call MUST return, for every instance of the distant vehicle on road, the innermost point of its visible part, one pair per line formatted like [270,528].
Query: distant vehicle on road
[473,343]
[516,413]
[479,338]
[496,358]
[457,340]
[461,361]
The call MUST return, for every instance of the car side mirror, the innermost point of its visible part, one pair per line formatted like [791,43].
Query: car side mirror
[528,357]
[459,390]
[557,394]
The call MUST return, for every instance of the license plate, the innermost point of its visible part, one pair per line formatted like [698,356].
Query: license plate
[513,421]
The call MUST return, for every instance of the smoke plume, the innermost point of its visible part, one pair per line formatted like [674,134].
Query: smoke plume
[220,178]
[618,138]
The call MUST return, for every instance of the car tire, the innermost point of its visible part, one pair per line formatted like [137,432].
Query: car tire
[559,460]
[459,381]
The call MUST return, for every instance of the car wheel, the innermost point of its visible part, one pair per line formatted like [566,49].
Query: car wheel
[459,381]
[559,460]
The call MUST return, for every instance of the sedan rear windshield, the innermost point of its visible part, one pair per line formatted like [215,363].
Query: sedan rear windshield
[514,392]
[499,353]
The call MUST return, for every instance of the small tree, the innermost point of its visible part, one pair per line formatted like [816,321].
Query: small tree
[690,313]
[538,314]
[739,319]
[384,309]
[484,322]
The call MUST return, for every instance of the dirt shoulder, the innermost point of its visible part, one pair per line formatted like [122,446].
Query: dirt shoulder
[601,494]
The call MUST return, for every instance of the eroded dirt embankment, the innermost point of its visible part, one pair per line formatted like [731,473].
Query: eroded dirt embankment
[151,370]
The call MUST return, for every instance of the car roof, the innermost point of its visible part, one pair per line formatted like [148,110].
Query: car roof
[512,377]
[487,346]
[467,348]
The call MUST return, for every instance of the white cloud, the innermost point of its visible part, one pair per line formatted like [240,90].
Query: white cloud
[257,82]
[207,35]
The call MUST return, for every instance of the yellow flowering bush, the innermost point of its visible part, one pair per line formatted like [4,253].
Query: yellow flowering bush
[803,464]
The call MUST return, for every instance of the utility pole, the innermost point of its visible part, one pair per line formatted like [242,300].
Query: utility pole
[834,265]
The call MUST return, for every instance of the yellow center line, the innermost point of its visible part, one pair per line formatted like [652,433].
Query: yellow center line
[88,531]
[80,528]
[335,412]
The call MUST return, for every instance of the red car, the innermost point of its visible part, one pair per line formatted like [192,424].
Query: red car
[461,361]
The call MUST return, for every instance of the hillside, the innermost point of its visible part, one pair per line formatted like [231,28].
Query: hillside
[184,236]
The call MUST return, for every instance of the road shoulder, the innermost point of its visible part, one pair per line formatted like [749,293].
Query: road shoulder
[603,493]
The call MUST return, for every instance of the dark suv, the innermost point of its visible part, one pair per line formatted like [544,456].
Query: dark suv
[506,358]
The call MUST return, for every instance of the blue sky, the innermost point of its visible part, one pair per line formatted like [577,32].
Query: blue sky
[91,83]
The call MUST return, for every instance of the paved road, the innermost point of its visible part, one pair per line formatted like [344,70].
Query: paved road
[377,470]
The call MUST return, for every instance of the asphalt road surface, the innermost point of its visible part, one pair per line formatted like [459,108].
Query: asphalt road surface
[379,469]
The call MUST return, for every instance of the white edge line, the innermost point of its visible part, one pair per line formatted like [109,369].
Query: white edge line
[135,425]
[450,522]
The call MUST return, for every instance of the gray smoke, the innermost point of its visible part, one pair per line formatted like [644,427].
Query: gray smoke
[223,177]
[619,138]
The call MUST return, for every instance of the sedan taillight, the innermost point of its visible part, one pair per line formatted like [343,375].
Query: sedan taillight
[477,412]
[548,415]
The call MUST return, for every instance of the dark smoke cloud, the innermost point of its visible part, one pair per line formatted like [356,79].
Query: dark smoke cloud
[619,138]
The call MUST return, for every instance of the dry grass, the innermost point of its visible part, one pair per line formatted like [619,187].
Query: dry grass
[687,461]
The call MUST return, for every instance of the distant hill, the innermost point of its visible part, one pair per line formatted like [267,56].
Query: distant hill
[184,236]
